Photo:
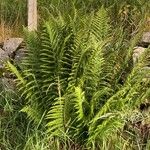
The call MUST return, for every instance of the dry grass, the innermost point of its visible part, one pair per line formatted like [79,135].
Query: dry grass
[148,24]
[7,31]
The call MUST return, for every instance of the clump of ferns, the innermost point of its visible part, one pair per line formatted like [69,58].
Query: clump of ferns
[70,81]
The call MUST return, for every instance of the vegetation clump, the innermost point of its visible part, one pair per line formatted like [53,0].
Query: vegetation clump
[77,87]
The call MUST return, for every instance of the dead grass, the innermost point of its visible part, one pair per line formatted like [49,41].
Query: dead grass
[147,24]
[7,31]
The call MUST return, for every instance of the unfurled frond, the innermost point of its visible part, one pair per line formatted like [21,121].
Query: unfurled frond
[67,55]
[79,60]
[32,113]
[81,105]
[49,41]
[93,70]
[14,70]
[47,59]
[56,126]
[100,24]
[32,53]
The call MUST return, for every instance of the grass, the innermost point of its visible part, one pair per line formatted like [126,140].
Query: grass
[12,18]
[7,31]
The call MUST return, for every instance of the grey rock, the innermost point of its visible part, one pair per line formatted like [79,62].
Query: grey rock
[11,45]
[3,57]
[138,51]
[19,56]
[146,37]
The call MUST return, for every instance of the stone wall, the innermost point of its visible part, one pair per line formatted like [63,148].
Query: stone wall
[142,46]
[12,49]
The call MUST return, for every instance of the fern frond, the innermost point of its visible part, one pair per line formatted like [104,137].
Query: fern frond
[32,113]
[93,70]
[55,116]
[14,70]
[81,105]
[31,59]
[66,57]
[79,61]
[100,24]
[108,125]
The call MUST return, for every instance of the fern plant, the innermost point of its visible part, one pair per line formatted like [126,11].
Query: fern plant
[72,81]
